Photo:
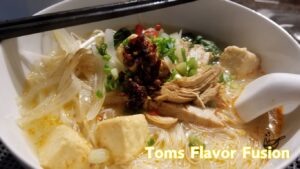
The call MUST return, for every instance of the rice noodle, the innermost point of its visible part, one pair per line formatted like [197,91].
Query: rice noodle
[54,102]
[66,41]
[214,139]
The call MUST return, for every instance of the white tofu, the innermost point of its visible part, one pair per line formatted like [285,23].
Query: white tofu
[64,149]
[239,61]
[125,137]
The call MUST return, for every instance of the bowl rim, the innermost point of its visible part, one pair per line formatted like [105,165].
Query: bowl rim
[53,7]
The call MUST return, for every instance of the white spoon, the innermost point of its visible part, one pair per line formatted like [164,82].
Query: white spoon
[268,92]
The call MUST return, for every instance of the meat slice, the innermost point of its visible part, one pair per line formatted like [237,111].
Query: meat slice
[191,114]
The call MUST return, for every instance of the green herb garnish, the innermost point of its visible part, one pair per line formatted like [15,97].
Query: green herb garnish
[192,66]
[111,83]
[209,46]
[106,57]
[188,68]
[121,35]
[195,141]
[102,49]
[150,142]
[166,48]
[107,69]
[99,94]
[172,75]
[182,68]
[198,39]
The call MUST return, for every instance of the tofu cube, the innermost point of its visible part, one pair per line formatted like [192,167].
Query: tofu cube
[64,149]
[124,136]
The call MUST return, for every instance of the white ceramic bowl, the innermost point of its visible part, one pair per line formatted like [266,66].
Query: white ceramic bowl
[220,20]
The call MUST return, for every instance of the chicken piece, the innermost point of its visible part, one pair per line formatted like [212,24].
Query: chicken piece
[239,61]
[202,79]
[64,149]
[200,88]
[125,137]
[191,114]
[198,52]
[210,93]
[173,93]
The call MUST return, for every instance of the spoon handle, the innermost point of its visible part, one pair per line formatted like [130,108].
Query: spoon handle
[266,93]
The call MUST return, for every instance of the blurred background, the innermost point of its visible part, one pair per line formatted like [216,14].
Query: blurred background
[285,12]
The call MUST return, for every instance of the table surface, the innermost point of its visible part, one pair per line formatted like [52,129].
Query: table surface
[285,12]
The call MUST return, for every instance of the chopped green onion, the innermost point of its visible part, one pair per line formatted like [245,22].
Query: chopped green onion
[99,94]
[150,142]
[183,53]
[173,75]
[114,73]
[182,68]
[107,69]
[111,83]
[166,48]
[192,66]
[188,68]
[192,72]
[106,57]
[192,63]
[195,141]
[102,49]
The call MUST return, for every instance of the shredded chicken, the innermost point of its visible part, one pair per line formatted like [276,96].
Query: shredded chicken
[187,113]
[199,89]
